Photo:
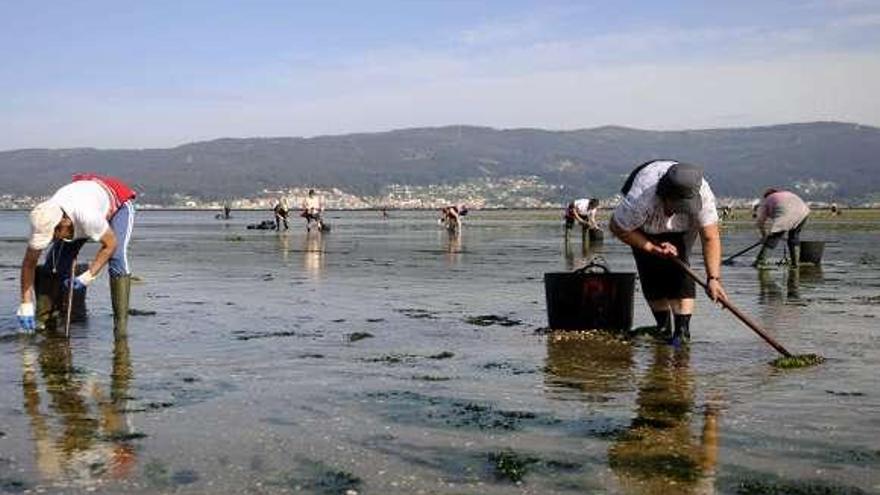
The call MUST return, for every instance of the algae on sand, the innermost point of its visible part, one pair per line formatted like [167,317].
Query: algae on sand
[797,361]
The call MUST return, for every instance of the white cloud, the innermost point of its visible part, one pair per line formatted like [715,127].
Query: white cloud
[503,76]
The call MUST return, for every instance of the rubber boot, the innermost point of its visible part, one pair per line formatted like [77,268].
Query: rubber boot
[664,324]
[47,289]
[45,311]
[120,289]
[794,251]
[682,333]
[761,260]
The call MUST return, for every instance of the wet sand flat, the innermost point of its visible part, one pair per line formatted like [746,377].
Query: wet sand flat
[388,356]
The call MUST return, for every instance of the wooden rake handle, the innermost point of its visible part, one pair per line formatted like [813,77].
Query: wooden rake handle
[749,322]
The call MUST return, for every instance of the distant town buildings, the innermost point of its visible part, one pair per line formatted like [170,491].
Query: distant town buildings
[500,192]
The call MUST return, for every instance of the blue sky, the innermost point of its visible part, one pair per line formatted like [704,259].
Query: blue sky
[161,73]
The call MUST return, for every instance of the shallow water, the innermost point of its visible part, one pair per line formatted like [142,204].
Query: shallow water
[388,357]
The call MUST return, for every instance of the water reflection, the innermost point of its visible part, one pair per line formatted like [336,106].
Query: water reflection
[594,363]
[658,454]
[453,247]
[313,254]
[283,242]
[83,433]
[778,307]
[576,258]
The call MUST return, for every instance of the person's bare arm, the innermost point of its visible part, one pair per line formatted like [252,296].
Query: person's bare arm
[28,266]
[711,239]
[581,220]
[108,245]
[637,239]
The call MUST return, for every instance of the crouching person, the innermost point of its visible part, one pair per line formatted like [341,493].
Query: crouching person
[92,207]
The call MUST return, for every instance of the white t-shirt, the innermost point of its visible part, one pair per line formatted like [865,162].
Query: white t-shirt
[87,204]
[643,209]
[582,206]
[313,204]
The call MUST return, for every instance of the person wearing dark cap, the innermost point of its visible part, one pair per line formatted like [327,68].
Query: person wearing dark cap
[665,206]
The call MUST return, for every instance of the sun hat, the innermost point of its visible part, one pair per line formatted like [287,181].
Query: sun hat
[44,218]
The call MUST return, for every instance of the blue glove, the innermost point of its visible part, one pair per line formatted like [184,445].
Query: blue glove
[25,316]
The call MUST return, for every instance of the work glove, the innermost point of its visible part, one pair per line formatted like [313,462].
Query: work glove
[80,282]
[25,316]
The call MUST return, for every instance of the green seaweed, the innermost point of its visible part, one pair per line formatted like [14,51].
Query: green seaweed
[442,355]
[411,407]
[797,361]
[8,485]
[786,487]
[508,465]
[122,436]
[488,320]
[317,477]
[354,337]
[431,378]
[141,312]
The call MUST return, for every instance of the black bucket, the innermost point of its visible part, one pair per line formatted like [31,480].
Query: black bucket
[52,298]
[586,300]
[811,252]
[596,235]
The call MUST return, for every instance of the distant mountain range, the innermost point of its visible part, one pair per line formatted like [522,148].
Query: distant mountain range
[824,160]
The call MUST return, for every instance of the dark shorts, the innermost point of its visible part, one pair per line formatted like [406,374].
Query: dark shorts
[661,278]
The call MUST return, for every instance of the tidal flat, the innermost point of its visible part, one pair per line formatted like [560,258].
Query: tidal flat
[390,357]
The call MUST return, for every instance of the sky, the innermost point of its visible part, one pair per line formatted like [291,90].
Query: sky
[161,73]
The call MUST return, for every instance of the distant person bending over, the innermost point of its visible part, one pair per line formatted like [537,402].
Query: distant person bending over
[281,212]
[91,208]
[312,208]
[665,205]
[582,211]
[451,216]
[779,213]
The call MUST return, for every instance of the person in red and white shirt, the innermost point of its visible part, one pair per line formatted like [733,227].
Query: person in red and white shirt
[91,208]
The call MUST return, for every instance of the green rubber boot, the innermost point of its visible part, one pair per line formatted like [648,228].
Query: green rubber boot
[120,289]
[795,256]
[47,288]
[761,260]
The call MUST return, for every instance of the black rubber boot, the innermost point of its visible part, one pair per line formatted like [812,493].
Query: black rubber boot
[120,289]
[682,332]
[664,323]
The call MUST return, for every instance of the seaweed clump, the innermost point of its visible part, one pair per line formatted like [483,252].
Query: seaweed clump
[758,487]
[354,337]
[488,320]
[797,361]
[510,466]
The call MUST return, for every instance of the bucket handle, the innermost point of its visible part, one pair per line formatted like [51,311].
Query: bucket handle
[591,267]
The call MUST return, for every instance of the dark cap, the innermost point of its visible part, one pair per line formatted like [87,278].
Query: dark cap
[680,188]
